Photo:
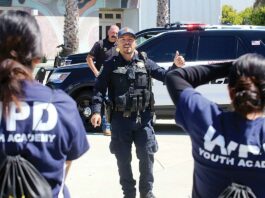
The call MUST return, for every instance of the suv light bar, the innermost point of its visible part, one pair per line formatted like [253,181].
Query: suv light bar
[186,26]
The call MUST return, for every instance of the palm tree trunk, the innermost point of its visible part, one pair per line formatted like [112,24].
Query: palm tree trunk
[71,18]
[162,13]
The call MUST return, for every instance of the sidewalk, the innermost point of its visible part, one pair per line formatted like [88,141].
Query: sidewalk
[95,174]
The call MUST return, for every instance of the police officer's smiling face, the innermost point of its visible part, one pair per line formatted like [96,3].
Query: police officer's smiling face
[126,44]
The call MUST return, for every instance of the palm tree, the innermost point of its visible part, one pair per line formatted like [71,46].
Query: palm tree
[259,3]
[162,13]
[71,18]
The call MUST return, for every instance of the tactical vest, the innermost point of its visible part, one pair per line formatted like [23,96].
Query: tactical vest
[132,88]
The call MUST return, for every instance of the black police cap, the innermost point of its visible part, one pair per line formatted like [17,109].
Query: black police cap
[126,30]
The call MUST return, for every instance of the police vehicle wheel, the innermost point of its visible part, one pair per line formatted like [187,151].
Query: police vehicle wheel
[84,101]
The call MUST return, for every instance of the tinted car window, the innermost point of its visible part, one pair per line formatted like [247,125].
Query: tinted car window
[163,48]
[241,49]
[217,47]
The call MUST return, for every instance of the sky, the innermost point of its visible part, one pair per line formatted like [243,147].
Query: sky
[239,5]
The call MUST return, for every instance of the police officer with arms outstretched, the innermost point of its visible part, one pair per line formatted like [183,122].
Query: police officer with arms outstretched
[127,77]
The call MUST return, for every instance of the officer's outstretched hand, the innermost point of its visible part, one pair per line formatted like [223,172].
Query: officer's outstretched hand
[179,61]
[96,120]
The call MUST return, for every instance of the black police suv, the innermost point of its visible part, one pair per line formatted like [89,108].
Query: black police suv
[199,44]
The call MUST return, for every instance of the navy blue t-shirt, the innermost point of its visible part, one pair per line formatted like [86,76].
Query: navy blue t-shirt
[103,50]
[47,131]
[225,146]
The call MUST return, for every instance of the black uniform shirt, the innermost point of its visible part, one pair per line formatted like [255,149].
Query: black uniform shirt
[101,51]
[104,79]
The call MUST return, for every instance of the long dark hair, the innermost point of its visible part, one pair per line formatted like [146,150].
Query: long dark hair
[247,84]
[20,46]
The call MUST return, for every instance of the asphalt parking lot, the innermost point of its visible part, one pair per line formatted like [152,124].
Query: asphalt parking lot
[95,174]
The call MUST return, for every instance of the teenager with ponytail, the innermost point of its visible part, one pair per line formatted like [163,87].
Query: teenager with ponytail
[228,147]
[39,124]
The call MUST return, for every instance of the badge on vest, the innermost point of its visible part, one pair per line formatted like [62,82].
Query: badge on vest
[140,64]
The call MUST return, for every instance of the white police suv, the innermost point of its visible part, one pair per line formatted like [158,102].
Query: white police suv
[199,44]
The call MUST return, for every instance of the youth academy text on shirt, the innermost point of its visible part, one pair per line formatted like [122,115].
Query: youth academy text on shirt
[241,150]
[44,118]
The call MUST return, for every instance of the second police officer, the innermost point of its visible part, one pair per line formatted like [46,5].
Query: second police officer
[127,76]
[101,51]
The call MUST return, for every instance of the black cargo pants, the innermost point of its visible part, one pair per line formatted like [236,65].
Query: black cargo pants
[126,131]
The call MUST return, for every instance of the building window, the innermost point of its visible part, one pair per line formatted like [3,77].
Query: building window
[5,2]
[107,29]
[100,32]
[124,3]
[118,16]
[100,15]
[108,16]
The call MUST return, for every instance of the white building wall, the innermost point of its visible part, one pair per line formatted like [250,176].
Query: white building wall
[204,11]
[112,3]
[147,14]
[131,18]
